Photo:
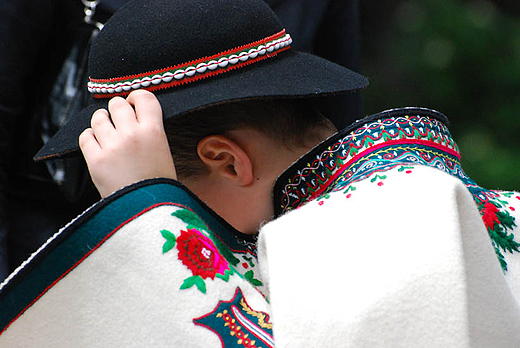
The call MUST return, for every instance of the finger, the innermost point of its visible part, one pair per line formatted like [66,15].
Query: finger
[102,127]
[121,113]
[88,143]
[147,107]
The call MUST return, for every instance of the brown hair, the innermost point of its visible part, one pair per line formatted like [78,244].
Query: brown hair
[289,122]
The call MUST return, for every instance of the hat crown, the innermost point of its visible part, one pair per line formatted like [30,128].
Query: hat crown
[146,35]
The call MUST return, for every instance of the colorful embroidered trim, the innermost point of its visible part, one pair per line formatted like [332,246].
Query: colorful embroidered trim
[194,70]
[238,325]
[310,179]
[381,145]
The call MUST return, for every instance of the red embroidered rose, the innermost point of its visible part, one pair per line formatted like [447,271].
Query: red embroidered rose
[489,215]
[200,255]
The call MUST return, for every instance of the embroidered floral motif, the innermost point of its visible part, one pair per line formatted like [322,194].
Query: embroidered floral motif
[498,221]
[200,255]
[374,180]
[248,263]
[238,325]
[205,255]
[193,221]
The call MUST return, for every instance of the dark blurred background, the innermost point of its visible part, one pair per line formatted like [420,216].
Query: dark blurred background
[461,58]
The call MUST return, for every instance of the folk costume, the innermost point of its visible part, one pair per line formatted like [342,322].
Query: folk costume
[152,265]
[391,244]
[425,256]
[36,36]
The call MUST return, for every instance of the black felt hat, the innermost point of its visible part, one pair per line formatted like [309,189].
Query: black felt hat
[196,53]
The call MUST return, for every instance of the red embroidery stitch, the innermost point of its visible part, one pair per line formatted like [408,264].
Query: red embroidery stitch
[342,168]
[489,215]
[200,255]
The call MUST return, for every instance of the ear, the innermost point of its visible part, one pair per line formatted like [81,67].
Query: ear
[226,158]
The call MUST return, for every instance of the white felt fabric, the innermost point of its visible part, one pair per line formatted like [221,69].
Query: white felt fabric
[126,294]
[400,262]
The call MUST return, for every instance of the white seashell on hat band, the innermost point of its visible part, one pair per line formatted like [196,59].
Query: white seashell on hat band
[192,71]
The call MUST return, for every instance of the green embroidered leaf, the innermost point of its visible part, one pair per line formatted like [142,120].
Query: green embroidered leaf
[249,260]
[168,245]
[170,240]
[368,142]
[191,219]
[194,280]
[506,219]
[403,168]
[249,275]
[225,276]
[504,203]
[251,278]
[501,239]
[382,177]
[325,196]
[188,282]
[201,285]
[501,259]
[256,282]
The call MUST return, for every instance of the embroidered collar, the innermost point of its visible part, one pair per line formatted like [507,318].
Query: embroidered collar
[397,138]
[397,135]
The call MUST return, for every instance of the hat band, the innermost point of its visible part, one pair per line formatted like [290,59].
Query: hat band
[193,70]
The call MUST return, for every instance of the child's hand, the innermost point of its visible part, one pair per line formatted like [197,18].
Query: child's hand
[131,148]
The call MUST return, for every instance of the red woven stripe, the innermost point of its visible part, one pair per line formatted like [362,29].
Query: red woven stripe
[195,77]
[193,62]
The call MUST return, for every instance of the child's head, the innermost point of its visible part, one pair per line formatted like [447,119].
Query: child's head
[231,154]
[289,123]
[194,54]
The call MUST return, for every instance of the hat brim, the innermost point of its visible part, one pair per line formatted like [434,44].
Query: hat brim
[288,75]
